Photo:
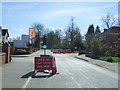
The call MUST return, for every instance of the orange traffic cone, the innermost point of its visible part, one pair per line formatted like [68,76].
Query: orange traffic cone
[54,69]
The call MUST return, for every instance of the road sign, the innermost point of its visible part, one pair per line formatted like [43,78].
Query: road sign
[43,63]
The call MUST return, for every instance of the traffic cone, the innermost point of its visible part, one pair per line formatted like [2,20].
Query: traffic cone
[54,69]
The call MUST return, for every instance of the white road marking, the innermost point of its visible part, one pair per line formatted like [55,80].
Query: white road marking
[28,81]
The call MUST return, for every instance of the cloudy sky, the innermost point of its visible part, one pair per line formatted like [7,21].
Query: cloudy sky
[19,16]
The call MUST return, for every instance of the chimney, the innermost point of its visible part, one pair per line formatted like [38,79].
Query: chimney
[105,30]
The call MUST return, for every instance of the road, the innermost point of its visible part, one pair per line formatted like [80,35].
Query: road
[72,73]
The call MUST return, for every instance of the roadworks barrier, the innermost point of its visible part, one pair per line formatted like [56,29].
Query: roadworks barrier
[61,50]
[45,62]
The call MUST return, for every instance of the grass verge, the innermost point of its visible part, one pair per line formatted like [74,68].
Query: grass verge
[115,59]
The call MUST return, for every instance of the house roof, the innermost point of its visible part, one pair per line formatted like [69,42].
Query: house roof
[4,32]
[115,30]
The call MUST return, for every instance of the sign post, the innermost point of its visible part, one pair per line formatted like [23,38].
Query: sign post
[44,47]
[44,52]
[45,62]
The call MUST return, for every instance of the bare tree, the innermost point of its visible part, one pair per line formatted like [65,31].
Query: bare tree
[39,29]
[108,20]
[73,35]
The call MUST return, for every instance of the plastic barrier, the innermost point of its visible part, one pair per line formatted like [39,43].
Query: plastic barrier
[61,50]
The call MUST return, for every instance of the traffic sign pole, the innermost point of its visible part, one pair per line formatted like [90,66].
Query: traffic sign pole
[44,44]
[44,51]
[44,47]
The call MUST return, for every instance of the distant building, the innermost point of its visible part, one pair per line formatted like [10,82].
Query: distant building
[25,37]
[102,36]
[23,43]
[18,38]
[10,39]
[5,35]
[20,44]
[110,36]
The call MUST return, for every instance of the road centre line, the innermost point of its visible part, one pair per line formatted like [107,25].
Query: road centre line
[28,81]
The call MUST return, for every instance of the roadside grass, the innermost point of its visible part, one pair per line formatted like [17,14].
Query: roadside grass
[75,52]
[115,59]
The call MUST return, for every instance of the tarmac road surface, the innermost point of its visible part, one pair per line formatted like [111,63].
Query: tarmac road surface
[75,73]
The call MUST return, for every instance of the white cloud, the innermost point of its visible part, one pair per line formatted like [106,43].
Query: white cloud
[85,9]
[19,29]
[66,11]
[52,14]
[107,6]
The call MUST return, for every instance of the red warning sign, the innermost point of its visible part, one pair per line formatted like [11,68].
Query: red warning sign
[43,63]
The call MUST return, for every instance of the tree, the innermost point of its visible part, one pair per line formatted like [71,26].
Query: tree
[50,39]
[91,29]
[95,48]
[65,44]
[38,33]
[90,34]
[54,39]
[97,31]
[106,50]
[108,20]
[78,41]
[73,36]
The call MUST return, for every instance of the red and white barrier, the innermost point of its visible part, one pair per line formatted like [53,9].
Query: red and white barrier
[61,50]
[45,63]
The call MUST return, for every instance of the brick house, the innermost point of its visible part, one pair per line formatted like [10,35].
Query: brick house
[110,36]
[5,56]
[5,35]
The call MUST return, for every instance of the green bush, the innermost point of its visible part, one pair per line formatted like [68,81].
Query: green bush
[95,47]
[21,51]
[109,59]
[81,52]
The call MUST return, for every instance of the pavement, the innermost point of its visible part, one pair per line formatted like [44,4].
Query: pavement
[111,66]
